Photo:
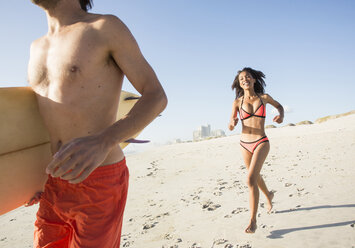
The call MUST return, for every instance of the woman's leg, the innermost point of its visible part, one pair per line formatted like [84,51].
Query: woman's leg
[268,194]
[255,166]
[261,183]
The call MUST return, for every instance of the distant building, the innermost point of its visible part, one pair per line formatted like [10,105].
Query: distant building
[204,132]
[196,135]
[218,133]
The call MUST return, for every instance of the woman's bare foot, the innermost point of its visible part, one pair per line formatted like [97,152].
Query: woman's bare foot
[252,227]
[269,201]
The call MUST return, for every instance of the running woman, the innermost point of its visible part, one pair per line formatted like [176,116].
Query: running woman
[251,103]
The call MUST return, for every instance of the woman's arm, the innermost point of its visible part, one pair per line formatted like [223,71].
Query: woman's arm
[279,118]
[234,117]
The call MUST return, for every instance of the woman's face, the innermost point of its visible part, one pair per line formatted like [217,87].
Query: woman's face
[246,81]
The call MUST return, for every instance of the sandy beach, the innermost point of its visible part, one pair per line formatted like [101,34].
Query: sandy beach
[194,195]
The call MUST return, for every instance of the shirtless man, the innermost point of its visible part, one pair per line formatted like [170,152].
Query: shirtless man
[76,71]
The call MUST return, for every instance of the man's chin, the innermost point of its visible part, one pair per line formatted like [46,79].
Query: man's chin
[46,4]
[37,2]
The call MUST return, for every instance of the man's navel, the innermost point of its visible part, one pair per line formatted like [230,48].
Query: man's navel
[74,69]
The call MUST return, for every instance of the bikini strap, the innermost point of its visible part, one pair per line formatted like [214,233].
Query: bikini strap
[262,104]
[241,105]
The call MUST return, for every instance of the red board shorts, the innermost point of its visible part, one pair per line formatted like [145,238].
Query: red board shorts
[87,214]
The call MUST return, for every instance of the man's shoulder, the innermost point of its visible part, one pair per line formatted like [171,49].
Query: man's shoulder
[104,21]
[112,28]
[39,42]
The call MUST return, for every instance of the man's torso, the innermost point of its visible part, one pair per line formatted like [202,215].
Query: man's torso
[77,83]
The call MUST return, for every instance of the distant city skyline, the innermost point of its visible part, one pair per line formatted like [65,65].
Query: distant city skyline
[204,132]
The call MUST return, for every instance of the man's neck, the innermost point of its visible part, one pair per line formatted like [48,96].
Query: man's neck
[64,14]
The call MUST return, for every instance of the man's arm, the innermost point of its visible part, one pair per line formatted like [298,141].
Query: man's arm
[126,53]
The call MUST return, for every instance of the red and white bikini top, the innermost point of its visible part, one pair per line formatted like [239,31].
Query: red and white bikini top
[259,112]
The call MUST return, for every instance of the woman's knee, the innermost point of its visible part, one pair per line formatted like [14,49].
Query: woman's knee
[252,180]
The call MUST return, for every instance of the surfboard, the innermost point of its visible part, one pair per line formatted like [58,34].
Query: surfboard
[24,145]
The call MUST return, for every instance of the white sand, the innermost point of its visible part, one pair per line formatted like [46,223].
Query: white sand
[311,168]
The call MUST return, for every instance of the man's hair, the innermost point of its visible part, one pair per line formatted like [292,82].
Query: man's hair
[86,4]
[259,82]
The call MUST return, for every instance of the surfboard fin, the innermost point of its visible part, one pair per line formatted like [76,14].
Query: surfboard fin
[135,141]
[132,98]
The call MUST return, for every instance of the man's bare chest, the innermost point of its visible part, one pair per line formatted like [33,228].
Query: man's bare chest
[64,58]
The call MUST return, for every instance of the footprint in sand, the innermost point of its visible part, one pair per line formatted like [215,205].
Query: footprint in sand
[127,244]
[239,210]
[195,197]
[168,236]
[280,179]
[155,162]
[305,193]
[213,207]
[210,206]
[184,200]
[288,184]
[245,246]
[149,225]
[220,182]
[218,193]
[220,242]
[125,238]
[153,219]
[153,168]
[163,214]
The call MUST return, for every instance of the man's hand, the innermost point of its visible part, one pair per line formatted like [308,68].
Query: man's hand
[77,159]
[34,200]
[279,119]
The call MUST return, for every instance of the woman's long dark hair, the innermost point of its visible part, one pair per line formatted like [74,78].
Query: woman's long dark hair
[86,4]
[259,82]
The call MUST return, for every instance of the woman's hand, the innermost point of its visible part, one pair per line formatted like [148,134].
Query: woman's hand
[278,119]
[233,123]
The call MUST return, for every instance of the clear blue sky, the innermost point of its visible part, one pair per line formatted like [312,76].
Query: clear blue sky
[305,48]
